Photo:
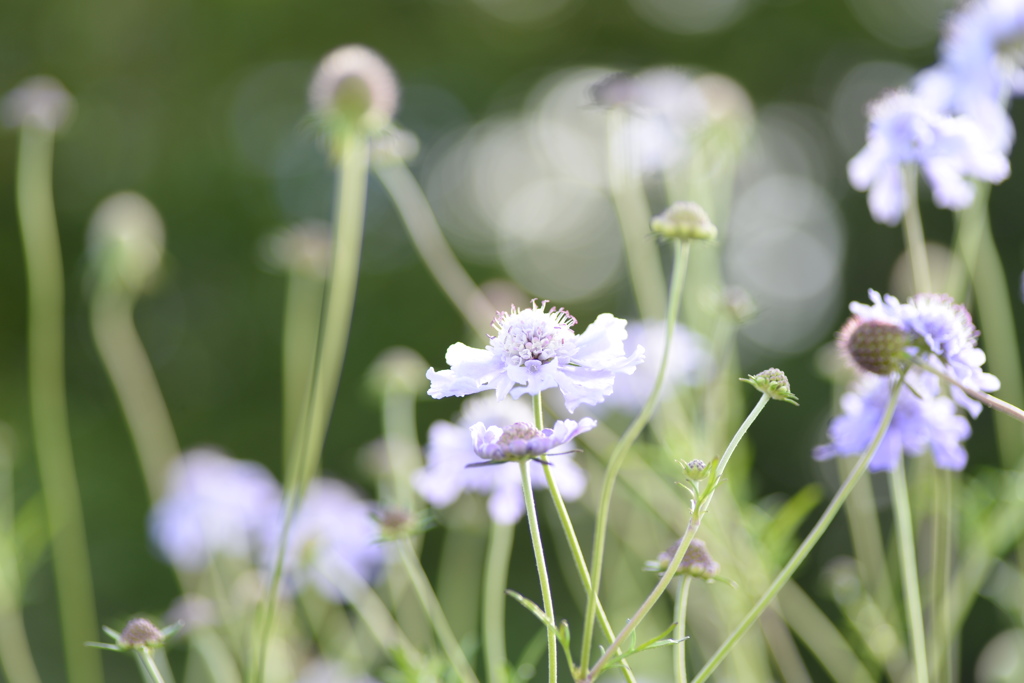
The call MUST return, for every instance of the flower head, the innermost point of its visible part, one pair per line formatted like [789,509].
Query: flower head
[535,349]
[451,448]
[333,535]
[126,240]
[213,504]
[523,441]
[354,84]
[905,129]
[774,384]
[697,561]
[39,101]
[921,423]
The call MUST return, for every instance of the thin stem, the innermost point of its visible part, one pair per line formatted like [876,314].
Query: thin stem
[148,665]
[621,450]
[908,565]
[138,390]
[542,570]
[303,303]
[806,546]
[48,403]
[421,586]
[913,233]
[988,399]
[499,552]
[430,243]
[942,560]
[350,205]
[684,543]
[680,649]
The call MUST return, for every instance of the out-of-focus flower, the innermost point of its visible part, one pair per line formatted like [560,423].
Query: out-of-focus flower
[333,535]
[353,84]
[324,671]
[905,129]
[521,440]
[39,101]
[213,504]
[689,364]
[684,221]
[697,561]
[126,241]
[450,449]
[942,333]
[535,349]
[980,66]
[920,423]
[303,248]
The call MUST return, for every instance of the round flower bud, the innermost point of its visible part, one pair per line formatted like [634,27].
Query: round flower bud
[873,345]
[126,241]
[354,85]
[773,383]
[398,370]
[684,221]
[141,633]
[39,101]
[302,249]
[697,561]
[696,469]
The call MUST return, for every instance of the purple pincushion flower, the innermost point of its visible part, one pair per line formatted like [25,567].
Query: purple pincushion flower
[535,349]
[905,129]
[450,450]
[920,423]
[213,504]
[522,440]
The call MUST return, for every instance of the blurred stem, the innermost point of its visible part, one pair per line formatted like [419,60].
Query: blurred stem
[421,586]
[703,503]
[349,210]
[680,650]
[138,391]
[904,527]
[375,614]
[303,302]
[542,570]
[627,191]
[430,243]
[807,545]
[148,665]
[402,447]
[48,403]
[942,560]
[621,450]
[913,233]
[499,552]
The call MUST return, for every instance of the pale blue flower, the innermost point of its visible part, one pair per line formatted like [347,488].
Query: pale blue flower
[333,536]
[213,504]
[979,66]
[450,448]
[920,423]
[535,349]
[521,440]
[325,671]
[943,332]
[905,129]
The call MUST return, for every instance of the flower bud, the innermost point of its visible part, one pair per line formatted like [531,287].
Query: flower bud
[141,633]
[873,345]
[697,561]
[40,101]
[684,221]
[773,383]
[126,241]
[302,249]
[398,370]
[696,470]
[354,85]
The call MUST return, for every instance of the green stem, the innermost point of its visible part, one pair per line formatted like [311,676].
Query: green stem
[542,570]
[499,552]
[138,391]
[303,303]
[913,233]
[807,545]
[987,399]
[48,403]
[908,565]
[680,649]
[942,659]
[691,532]
[148,665]
[421,586]
[430,243]
[350,205]
[621,450]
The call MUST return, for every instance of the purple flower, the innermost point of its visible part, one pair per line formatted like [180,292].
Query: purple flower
[906,129]
[333,535]
[213,504]
[919,424]
[521,440]
[979,67]
[536,349]
[943,332]
[450,448]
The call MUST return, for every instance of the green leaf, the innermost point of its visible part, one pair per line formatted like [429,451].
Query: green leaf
[533,607]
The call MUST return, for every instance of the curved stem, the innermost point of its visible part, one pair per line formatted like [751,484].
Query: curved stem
[48,405]
[987,399]
[303,304]
[148,664]
[806,546]
[499,552]
[621,450]
[908,566]
[913,233]
[542,570]
[680,649]
[334,329]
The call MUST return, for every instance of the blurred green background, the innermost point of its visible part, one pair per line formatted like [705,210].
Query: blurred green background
[200,106]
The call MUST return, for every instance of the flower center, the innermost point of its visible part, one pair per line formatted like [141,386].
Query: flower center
[518,431]
[533,337]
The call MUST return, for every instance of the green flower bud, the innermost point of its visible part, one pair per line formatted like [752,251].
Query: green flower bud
[773,383]
[303,249]
[684,221]
[125,241]
[398,370]
[696,470]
